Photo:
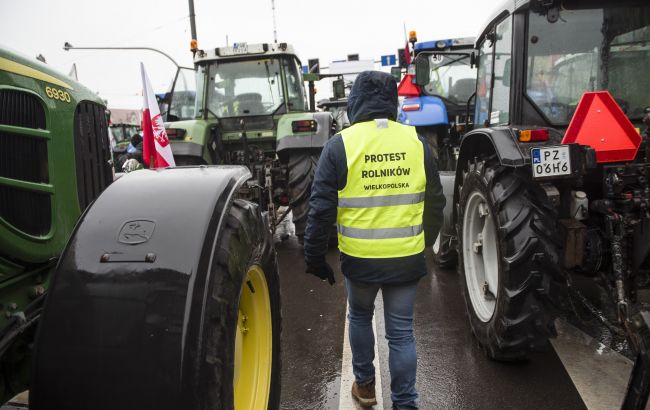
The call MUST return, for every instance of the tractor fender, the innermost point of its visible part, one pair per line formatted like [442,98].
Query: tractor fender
[499,140]
[431,111]
[186,148]
[287,140]
[124,311]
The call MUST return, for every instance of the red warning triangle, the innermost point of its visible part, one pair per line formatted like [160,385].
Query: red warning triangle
[600,123]
[407,88]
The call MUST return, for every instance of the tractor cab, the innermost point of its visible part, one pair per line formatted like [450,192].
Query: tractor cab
[436,98]
[243,87]
[609,51]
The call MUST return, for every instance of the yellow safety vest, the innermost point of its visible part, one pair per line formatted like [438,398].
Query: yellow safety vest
[380,210]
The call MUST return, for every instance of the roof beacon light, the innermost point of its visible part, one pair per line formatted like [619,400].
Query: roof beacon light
[194,45]
[540,134]
[413,36]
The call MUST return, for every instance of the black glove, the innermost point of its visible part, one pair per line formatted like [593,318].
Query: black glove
[322,270]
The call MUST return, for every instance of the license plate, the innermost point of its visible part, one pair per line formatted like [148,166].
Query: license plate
[551,161]
[240,48]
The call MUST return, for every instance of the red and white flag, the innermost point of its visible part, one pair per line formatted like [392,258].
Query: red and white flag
[155,144]
[407,54]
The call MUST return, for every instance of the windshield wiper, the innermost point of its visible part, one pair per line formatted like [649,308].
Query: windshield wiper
[268,78]
[452,61]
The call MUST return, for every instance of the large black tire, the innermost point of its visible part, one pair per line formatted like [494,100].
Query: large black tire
[177,312]
[244,244]
[302,166]
[527,255]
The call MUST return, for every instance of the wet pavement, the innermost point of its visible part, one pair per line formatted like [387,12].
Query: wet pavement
[313,317]
[577,372]
[453,373]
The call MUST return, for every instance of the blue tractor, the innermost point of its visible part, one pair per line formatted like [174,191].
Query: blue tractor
[441,109]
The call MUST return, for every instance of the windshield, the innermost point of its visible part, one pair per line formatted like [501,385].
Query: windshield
[123,133]
[183,99]
[245,88]
[589,50]
[451,77]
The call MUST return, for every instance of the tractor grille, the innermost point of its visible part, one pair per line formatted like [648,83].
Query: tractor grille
[91,151]
[21,110]
[24,157]
[28,211]
[264,122]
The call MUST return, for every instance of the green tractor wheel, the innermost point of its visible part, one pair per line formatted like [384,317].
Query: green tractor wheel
[170,300]
[243,332]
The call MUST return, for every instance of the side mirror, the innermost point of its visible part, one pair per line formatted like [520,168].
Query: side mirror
[422,70]
[396,72]
[338,87]
[473,60]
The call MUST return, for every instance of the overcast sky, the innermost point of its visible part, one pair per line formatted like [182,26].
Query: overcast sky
[329,30]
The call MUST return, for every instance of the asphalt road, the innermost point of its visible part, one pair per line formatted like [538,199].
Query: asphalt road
[577,371]
[453,372]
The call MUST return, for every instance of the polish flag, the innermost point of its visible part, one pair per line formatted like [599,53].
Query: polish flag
[155,144]
[407,53]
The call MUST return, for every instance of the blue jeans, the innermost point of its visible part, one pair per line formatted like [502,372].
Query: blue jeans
[399,301]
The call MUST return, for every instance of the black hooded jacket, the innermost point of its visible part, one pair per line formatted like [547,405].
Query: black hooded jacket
[373,95]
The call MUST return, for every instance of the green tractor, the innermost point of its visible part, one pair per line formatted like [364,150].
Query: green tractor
[158,291]
[54,161]
[249,107]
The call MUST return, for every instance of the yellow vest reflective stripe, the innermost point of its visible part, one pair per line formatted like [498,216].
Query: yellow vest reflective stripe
[380,208]
[386,200]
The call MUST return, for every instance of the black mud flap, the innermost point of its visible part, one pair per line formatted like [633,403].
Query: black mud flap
[120,324]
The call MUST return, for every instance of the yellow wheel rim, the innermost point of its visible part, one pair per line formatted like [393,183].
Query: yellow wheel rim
[253,343]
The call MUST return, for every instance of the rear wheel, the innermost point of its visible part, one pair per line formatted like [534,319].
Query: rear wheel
[242,331]
[507,259]
[302,166]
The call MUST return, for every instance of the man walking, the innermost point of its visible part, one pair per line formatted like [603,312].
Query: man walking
[378,180]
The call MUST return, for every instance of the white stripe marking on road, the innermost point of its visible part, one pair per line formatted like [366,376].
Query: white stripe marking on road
[599,374]
[346,402]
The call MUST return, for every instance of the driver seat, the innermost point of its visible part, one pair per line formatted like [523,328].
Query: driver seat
[250,103]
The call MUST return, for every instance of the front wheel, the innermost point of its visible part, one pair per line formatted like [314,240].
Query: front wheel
[507,255]
[242,333]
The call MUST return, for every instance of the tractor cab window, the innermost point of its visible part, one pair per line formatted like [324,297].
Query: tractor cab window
[245,88]
[494,67]
[609,50]
[500,111]
[484,83]
[183,100]
[452,78]
[295,86]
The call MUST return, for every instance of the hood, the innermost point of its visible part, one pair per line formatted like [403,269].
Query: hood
[373,95]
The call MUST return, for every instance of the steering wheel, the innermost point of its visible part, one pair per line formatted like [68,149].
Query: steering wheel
[556,110]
